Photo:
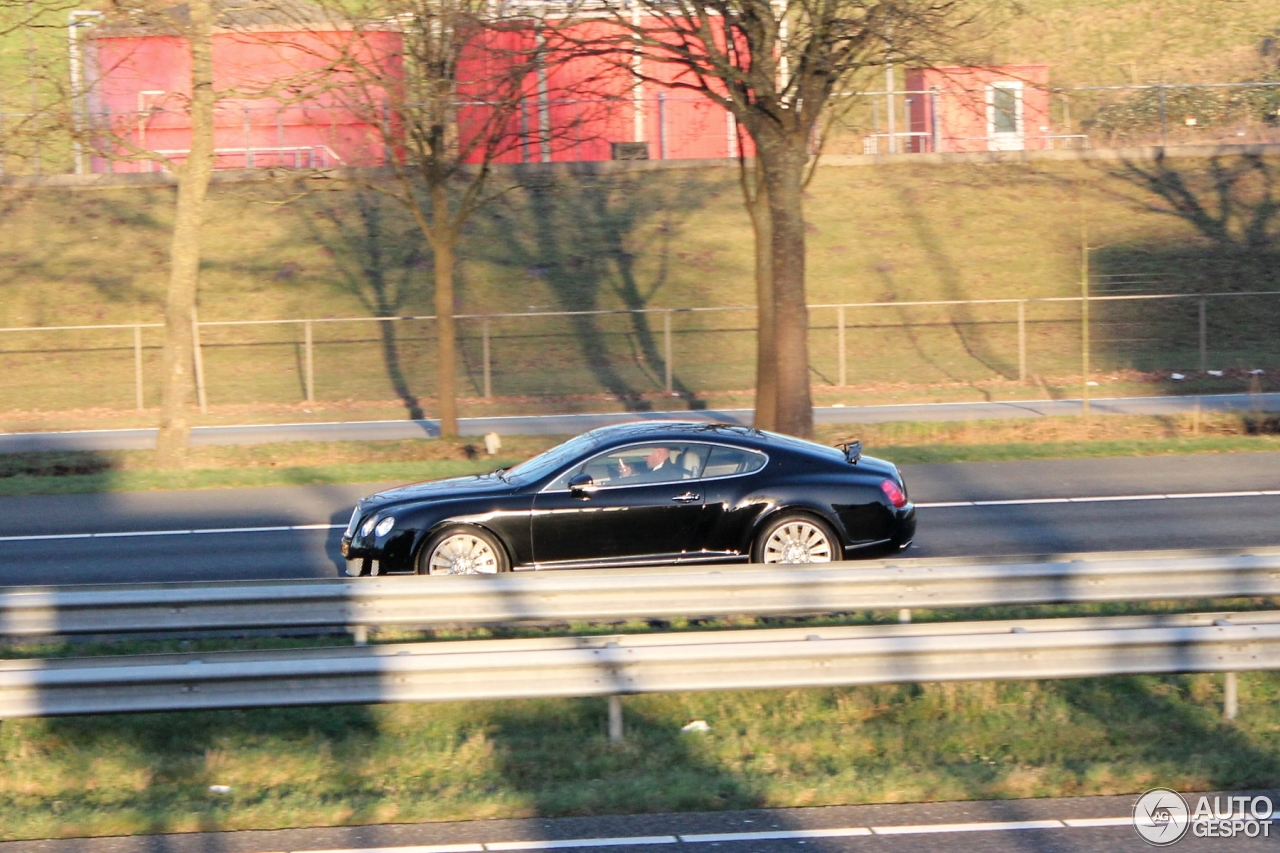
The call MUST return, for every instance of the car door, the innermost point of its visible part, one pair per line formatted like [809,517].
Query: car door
[732,500]
[637,507]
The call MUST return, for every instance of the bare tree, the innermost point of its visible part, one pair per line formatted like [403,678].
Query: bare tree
[449,102]
[776,65]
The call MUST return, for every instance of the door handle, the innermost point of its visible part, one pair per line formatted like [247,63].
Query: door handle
[687,497]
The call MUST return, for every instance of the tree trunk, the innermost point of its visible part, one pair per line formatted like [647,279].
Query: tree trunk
[766,415]
[446,333]
[783,160]
[184,250]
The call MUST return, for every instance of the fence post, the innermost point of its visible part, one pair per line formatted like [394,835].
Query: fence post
[840,350]
[662,126]
[309,352]
[1230,696]
[137,366]
[935,125]
[488,377]
[1164,121]
[248,149]
[1204,338]
[198,358]
[666,345]
[1022,340]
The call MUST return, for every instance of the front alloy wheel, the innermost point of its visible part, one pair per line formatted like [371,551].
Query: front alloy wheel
[796,540]
[462,551]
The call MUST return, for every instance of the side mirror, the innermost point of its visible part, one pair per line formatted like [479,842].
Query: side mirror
[580,485]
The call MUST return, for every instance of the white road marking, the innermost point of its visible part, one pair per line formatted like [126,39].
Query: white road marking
[1268,493]
[128,534]
[929,828]
[781,834]
[1089,822]
[422,848]
[580,842]
[46,537]
[767,835]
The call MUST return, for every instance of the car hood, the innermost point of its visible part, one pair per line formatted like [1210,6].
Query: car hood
[477,485]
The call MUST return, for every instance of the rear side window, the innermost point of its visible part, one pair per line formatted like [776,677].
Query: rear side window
[729,461]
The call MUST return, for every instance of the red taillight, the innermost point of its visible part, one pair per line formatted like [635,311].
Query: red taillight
[893,493]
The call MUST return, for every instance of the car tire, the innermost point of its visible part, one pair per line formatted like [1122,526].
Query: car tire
[796,538]
[463,549]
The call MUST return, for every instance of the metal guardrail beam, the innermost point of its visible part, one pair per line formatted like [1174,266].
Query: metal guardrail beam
[610,666]
[637,593]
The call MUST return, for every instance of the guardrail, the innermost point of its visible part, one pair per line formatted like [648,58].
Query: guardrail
[638,593]
[652,663]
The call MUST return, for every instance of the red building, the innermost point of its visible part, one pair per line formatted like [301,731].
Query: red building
[1000,108]
[580,108]
[141,81]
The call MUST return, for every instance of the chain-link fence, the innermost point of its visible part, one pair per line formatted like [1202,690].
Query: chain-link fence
[629,354]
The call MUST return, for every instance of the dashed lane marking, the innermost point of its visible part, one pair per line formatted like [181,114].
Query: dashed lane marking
[1177,496]
[766,835]
[294,528]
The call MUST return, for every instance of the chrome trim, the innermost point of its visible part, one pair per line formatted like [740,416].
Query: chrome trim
[547,490]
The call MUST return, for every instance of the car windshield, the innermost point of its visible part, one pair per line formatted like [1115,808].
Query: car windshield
[550,461]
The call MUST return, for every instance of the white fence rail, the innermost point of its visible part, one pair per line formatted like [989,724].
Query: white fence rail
[615,666]
[637,593]
[842,319]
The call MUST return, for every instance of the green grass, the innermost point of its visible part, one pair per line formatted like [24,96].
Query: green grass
[321,463]
[123,774]
[673,240]
[112,775]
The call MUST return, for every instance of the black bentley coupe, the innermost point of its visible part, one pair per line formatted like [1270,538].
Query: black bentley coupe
[653,493]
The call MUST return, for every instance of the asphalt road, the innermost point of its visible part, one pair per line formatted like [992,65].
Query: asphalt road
[1083,825]
[145,439]
[158,547]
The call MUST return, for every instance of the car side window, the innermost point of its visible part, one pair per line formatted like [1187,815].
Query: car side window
[729,461]
[641,464]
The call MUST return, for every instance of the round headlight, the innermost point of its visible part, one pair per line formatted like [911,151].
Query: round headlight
[367,527]
[384,526]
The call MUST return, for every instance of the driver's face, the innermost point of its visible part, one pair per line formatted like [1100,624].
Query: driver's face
[656,457]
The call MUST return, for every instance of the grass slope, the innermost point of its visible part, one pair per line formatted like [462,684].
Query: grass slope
[674,240]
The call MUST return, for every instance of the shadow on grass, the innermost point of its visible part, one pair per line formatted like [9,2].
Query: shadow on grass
[583,237]
[1232,207]
[379,259]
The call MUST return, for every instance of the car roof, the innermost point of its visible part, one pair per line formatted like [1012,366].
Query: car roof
[659,430]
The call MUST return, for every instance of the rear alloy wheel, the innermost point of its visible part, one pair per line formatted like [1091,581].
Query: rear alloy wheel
[462,551]
[795,540]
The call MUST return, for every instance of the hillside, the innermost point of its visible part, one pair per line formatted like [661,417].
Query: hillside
[653,240]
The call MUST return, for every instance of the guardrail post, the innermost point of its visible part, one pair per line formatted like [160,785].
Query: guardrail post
[1204,338]
[1022,340]
[904,615]
[198,358]
[360,633]
[1230,696]
[488,376]
[843,378]
[615,719]
[310,363]
[666,345]
[137,366]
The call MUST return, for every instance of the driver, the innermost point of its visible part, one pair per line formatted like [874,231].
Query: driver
[658,458]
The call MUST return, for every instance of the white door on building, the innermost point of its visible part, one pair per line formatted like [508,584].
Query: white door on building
[1005,130]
